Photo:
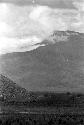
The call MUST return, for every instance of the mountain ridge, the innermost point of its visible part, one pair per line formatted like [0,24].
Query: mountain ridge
[58,36]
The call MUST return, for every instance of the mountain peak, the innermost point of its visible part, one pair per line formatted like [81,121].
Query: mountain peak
[57,36]
[65,33]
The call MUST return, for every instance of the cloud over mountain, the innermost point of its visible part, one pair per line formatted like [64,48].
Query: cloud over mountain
[79,4]
[22,27]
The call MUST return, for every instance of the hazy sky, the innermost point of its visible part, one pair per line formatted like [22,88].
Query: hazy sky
[23,25]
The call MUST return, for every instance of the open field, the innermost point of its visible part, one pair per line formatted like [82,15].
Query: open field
[41,119]
[42,116]
[42,110]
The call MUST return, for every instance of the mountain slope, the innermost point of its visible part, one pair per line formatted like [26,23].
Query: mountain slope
[54,67]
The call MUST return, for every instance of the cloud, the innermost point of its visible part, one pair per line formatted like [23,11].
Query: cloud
[51,3]
[38,20]
[48,19]
[10,45]
[79,4]
[22,27]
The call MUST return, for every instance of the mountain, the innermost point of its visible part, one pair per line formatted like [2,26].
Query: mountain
[66,33]
[57,36]
[58,66]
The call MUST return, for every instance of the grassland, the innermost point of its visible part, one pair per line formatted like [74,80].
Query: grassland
[48,109]
[41,119]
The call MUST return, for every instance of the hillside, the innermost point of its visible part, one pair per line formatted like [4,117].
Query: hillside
[10,91]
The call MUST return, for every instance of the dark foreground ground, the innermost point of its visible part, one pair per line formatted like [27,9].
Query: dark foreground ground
[44,116]
[43,109]
[41,119]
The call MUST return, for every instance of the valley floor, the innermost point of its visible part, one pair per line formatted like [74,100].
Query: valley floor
[42,110]
[41,116]
[41,119]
